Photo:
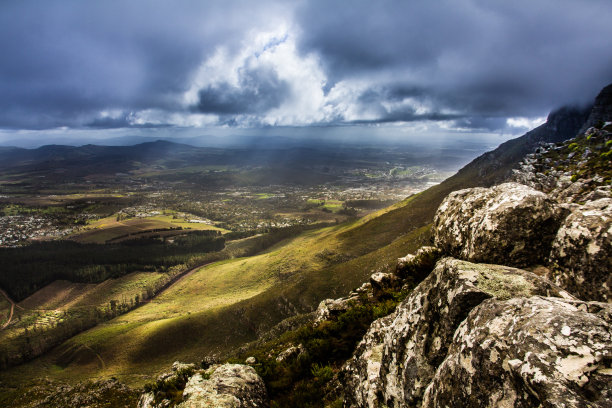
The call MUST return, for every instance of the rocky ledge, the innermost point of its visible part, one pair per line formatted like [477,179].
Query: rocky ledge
[478,333]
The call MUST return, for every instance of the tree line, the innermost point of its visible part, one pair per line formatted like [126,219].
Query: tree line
[26,269]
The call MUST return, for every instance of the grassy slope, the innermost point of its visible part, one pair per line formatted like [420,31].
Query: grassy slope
[223,305]
[109,228]
[226,304]
[63,294]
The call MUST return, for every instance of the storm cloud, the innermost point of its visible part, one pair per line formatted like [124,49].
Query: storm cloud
[473,57]
[258,91]
[466,65]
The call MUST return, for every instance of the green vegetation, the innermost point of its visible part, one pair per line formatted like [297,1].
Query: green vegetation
[303,380]
[27,269]
[585,156]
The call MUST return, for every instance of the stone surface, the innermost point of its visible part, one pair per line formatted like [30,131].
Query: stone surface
[147,400]
[418,266]
[510,224]
[290,353]
[602,109]
[381,281]
[528,352]
[330,308]
[399,354]
[581,256]
[228,385]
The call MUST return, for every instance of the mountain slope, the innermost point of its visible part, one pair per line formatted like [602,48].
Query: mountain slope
[224,305]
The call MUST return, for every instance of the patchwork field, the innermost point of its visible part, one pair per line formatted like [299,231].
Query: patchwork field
[113,229]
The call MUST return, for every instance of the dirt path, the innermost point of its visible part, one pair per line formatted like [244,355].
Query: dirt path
[12,309]
[97,355]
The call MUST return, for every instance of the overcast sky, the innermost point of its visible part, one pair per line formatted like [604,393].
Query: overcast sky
[411,66]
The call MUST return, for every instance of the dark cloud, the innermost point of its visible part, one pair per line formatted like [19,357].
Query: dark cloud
[471,63]
[258,91]
[480,123]
[475,57]
[110,123]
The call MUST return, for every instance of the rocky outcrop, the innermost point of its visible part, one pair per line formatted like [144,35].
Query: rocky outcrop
[576,170]
[581,258]
[399,355]
[479,334]
[496,166]
[416,267]
[510,223]
[228,385]
[99,394]
[528,352]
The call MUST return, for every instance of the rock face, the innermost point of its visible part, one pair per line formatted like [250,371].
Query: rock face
[528,352]
[228,385]
[581,252]
[399,355]
[510,223]
[602,109]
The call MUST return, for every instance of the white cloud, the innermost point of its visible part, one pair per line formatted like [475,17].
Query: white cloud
[525,123]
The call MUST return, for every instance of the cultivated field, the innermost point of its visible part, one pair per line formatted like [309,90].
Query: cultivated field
[112,229]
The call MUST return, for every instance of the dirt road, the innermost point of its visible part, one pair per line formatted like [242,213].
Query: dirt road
[12,309]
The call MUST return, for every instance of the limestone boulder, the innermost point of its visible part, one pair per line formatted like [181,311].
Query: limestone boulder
[510,224]
[528,352]
[227,385]
[581,255]
[399,355]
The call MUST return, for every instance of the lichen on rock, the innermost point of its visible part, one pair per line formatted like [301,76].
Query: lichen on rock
[526,352]
[510,224]
[399,355]
[227,385]
[581,258]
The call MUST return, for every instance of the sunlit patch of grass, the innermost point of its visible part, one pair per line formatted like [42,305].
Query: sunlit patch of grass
[225,304]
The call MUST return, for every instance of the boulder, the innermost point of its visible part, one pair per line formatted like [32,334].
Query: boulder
[510,223]
[382,281]
[330,308]
[290,353]
[228,385]
[416,267]
[528,352]
[580,258]
[400,353]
